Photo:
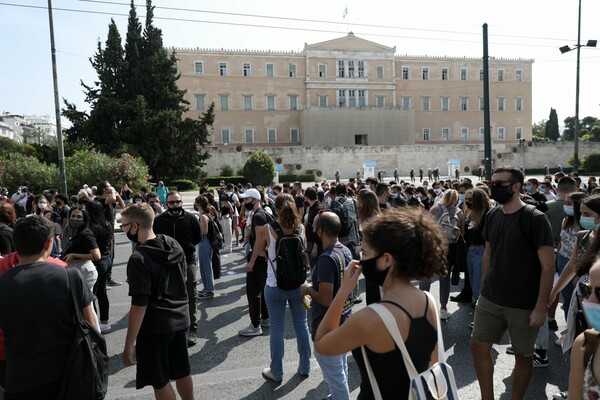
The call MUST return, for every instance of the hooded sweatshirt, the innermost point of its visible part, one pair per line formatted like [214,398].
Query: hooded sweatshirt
[156,274]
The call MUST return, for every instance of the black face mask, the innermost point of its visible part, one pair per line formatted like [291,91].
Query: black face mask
[133,236]
[176,210]
[249,206]
[370,271]
[502,194]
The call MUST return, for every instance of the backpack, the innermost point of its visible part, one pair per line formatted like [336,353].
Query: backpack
[449,222]
[86,372]
[215,233]
[291,258]
[345,224]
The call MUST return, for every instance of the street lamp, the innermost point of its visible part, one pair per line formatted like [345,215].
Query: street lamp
[566,49]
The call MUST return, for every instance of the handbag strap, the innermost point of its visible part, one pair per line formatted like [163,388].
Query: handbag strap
[71,271]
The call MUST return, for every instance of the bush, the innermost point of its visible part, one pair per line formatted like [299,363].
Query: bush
[293,178]
[226,170]
[259,169]
[183,185]
[215,180]
[591,162]
[17,168]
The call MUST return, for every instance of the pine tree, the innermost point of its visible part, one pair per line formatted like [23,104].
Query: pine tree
[551,131]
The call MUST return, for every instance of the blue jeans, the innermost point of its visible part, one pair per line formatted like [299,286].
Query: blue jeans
[276,300]
[475,265]
[567,292]
[205,260]
[335,373]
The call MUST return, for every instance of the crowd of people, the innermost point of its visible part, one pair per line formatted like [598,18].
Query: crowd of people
[306,248]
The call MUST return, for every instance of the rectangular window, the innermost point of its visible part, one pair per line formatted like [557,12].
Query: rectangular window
[352,98]
[341,69]
[270,69]
[481,105]
[518,75]
[322,101]
[500,103]
[249,135]
[246,69]
[426,133]
[270,102]
[426,103]
[501,135]
[406,103]
[500,75]
[519,104]
[361,140]
[225,136]
[445,103]
[379,73]
[293,102]
[294,136]
[361,69]
[405,73]
[199,102]
[445,133]
[464,133]
[292,70]
[481,74]
[247,102]
[481,133]
[380,101]
[444,74]
[463,74]
[224,102]
[361,98]
[322,70]
[341,98]
[223,69]
[350,69]
[425,73]
[272,134]
[199,68]
[519,133]
[464,103]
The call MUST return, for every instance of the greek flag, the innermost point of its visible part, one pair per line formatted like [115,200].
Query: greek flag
[345,12]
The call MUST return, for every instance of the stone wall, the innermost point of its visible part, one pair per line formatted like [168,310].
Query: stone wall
[350,159]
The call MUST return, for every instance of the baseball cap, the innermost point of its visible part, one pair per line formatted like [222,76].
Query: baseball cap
[253,193]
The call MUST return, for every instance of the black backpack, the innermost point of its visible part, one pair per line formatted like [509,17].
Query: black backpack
[291,258]
[215,233]
[345,224]
[86,373]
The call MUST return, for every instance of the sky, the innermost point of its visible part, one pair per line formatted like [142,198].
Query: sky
[517,29]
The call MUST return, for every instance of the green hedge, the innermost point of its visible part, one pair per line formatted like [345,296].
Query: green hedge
[215,180]
[182,185]
[294,178]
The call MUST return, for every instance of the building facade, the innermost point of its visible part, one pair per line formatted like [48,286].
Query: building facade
[353,92]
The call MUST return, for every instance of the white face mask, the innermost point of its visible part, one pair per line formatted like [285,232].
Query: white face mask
[437,191]
[41,206]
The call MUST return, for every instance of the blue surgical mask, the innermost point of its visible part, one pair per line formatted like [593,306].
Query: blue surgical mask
[461,197]
[528,189]
[588,223]
[569,210]
[592,314]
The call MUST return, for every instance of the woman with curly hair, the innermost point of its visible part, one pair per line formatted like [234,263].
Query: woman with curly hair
[399,246]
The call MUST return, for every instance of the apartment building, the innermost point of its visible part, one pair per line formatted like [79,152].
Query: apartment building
[351,92]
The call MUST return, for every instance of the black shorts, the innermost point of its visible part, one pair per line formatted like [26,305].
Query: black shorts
[161,358]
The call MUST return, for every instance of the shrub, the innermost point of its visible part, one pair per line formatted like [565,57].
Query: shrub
[226,170]
[215,180]
[17,168]
[183,185]
[259,168]
[293,178]
[591,162]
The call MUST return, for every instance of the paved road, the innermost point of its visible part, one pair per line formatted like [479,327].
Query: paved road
[226,366]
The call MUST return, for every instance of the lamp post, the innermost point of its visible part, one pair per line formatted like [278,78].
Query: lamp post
[566,49]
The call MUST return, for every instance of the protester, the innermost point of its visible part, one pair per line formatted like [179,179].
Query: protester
[7,220]
[205,249]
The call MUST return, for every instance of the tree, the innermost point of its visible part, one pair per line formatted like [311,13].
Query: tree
[136,106]
[551,129]
[259,169]
[589,127]
[538,129]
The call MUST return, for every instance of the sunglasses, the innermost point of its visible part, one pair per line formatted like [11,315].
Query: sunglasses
[174,202]
[586,290]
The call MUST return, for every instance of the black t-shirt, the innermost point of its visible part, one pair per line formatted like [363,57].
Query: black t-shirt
[310,219]
[109,209]
[538,196]
[156,274]
[6,240]
[299,199]
[513,275]
[327,269]
[259,218]
[36,313]
[82,243]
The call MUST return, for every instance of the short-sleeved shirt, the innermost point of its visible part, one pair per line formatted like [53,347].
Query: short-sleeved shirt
[514,271]
[36,311]
[556,214]
[259,218]
[82,243]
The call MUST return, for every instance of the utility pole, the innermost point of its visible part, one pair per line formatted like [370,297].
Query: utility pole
[487,134]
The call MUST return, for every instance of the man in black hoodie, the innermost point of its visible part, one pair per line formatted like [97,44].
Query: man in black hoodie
[185,228]
[159,317]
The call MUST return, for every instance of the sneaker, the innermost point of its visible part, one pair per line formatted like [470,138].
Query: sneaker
[105,328]
[192,339]
[113,283]
[539,362]
[303,374]
[205,295]
[510,350]
[265,323]
[559,342]
[444,314]
[471,325]
[358,300]
[561,396]
[251,331]
[552,325]
[461,298]
[266,373]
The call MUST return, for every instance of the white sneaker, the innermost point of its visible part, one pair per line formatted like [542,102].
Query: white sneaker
[444,314]
[251,331]
[559,341]
[105,328]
